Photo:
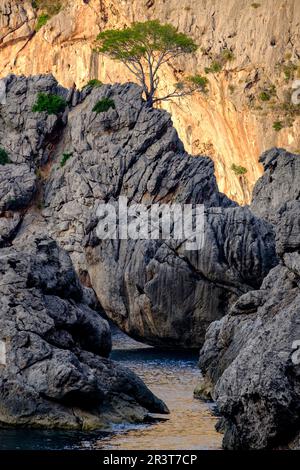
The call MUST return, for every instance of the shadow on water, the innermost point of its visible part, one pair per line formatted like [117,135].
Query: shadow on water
[172,376]
[37,439]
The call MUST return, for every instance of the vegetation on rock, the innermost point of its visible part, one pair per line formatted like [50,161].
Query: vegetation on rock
[94,82]
[51,103]
[144,48]
[104,105]
[200,82]
[41,21]
[277,126]
[4,158]
[215,67]
[264,96]
[65,158]
[48,9]
[51,7]
[238,170]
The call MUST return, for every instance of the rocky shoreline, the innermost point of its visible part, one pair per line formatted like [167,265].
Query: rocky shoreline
[250,357]
[245,279]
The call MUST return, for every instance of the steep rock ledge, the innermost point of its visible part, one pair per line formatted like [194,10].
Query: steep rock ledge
[231,123]
[154,290]
[250,356]
[53,370]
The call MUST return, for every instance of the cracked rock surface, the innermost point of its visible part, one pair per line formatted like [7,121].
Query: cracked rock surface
[251,357]
[155,290]
[55,372]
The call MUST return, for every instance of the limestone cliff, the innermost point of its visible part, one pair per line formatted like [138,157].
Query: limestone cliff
[251,356]
[256,43]
[61,167]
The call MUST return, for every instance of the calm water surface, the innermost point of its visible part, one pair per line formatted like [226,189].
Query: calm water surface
[172,376]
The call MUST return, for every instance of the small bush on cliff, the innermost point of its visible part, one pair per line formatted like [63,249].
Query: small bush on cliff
[52,104]
[227,55]
[41,21]
[104,105]
[264,96]
[51,7]
[238,170]
[200,82]
[65,158]
[4,158]
[255,5]
[215,67]
[277,126]
[93,83]
[144,48]
[47,8]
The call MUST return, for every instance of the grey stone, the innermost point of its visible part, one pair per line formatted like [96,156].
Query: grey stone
[54,373]
[250,356]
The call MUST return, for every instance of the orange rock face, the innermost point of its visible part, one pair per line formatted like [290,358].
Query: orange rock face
[232,123]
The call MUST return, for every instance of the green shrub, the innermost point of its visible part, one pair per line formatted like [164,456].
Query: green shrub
[41,21]
[51,7]
[199,81]
[227,55]
[215,67]
[104,105]
[238,170]
[255,5]
[277,126]
[231,88]
[93,83]
[264,96]
[289,70]
[52,104]
[65,158]
[4,158]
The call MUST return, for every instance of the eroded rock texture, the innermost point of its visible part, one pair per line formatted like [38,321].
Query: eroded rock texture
[231,122]
[154,290]
[53,371]
[251,356]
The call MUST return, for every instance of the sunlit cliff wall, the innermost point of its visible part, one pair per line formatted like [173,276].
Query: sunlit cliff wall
[231,123]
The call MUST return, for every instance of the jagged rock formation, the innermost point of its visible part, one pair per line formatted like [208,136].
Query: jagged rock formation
[155,290]
[233,123]
[250,356]
[279,183]
[53,371]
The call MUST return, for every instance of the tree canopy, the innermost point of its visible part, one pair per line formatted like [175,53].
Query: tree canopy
[143,48]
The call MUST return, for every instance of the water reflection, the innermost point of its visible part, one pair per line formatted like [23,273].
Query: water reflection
[172,376]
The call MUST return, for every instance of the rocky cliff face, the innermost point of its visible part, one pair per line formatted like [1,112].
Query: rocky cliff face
[250,357]
[53,369]
[54,172]
[155,290]
[233,123]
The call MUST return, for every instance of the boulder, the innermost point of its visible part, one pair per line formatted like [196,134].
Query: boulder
[54,370]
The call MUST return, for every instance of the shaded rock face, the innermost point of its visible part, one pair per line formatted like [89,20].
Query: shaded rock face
[279,184]
[53,366]
[251,355]
[230,122]
[155,291]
